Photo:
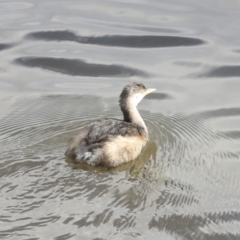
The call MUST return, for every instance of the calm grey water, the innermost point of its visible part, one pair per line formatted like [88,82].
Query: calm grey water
[64,63]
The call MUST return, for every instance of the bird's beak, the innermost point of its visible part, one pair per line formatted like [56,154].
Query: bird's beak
[150,90]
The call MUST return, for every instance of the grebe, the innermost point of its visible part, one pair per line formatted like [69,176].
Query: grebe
[110,142]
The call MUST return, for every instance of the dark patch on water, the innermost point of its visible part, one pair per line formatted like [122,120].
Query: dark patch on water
[231,135]
[145,41]
[189,226]
[4,46]
[76,67]
[223,112]
[224,71]
[158,96]
[236,50]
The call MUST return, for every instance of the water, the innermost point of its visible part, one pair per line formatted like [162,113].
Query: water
[64,63]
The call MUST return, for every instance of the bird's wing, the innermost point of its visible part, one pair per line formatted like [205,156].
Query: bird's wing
[106,129]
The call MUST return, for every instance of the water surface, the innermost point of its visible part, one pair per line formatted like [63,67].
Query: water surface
[63,65]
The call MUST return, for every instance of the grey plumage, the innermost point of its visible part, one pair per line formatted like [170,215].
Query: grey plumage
[105,129]
[112,141]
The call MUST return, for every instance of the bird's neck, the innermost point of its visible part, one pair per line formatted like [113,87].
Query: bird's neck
[132,115]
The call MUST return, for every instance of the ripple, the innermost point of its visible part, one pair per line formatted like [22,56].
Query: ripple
[65,236]
[232,134]
[144,41]
[75,67]
[184,185]
[192,225]
[34,121]
[172,186]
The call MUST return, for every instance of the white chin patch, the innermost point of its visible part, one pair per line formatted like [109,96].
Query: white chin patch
[136,99]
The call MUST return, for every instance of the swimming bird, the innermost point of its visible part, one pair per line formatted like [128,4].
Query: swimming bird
[110,142]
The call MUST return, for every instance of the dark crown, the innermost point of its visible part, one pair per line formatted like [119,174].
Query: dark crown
[132,88]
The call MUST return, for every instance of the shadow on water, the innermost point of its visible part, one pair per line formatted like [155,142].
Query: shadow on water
[224,71]
[76,67]
[145,41]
